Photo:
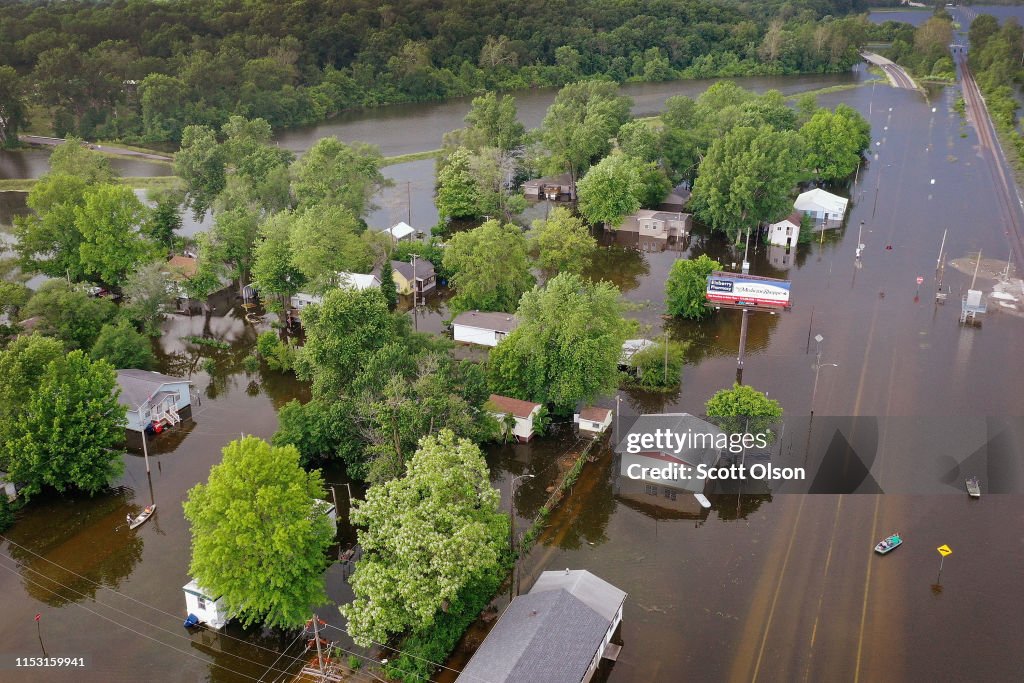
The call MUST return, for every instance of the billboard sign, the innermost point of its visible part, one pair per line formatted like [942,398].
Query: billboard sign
[747,291]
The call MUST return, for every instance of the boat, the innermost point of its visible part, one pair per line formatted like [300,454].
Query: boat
[889,544]
[143,516]
[973,487]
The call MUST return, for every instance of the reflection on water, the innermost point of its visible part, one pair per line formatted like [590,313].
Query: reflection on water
[63,562]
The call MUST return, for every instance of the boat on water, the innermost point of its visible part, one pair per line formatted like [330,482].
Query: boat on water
[974,487]
[143,516]
[889,544]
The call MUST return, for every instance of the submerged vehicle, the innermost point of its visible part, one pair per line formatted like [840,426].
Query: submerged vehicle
[889,544]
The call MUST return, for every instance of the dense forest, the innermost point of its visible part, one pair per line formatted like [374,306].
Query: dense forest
[140,70]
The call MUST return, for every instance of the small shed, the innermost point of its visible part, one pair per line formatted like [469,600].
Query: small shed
[594,420]
[358,281]
[153,400]
[524,413]
[207,608]
[630,348]
[402,231]
[485,328]
[327,508]
[786,232]
[550,187]
[8,487]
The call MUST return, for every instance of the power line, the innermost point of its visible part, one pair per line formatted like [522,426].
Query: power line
[113,590]
[128,628]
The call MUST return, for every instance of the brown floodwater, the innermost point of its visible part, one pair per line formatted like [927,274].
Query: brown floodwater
[765,585]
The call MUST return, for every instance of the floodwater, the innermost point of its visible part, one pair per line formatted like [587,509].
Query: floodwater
[762,586]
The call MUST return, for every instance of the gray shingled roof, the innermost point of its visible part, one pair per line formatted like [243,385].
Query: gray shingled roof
[596,593]
[424,269]
[137,386]
[540,638]
[487,320]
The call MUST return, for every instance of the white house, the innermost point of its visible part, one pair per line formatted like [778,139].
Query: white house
[358,281]
[483,327]
[524,413]
[206,608]
[657,224]
[401,231]
[153,399]
[594,420]
[701,445]
[559,632]
[824,206]
[785,233]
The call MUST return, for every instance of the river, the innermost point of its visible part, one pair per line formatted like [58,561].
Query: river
[776,587]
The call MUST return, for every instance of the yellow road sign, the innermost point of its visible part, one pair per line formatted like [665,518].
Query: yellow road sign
[944,550]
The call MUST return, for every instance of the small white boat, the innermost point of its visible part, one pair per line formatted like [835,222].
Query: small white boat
[974,487]
[889,544]
[143,516]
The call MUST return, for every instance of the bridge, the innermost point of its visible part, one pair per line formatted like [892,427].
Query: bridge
[897,76]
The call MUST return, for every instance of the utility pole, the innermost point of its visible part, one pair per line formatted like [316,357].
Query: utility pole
[514,582]
[408,200]
[743,346]
[145,450]
[414,301]
[665,372]
[316,638]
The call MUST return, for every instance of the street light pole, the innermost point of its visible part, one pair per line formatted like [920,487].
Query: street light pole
[514,583]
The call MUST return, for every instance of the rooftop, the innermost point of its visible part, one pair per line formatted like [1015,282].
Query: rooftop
[182,266]
[487,320]
[401,230]
[424,269]
[680,424]
[505,404]
[833,203]
[358,280]
[137,386]
[595,414]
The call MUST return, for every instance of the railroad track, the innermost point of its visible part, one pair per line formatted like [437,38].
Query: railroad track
[1010,205]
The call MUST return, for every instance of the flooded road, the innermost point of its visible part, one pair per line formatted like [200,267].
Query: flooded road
[761,587]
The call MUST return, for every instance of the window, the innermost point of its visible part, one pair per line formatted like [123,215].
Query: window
[670,494]
[651,490]
[202,602]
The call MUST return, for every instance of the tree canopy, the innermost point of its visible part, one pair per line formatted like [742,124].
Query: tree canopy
[687,285]
[69,428]
[566,347]
[561,243]
[611,189]
[425,537]
[743,409]
[489,268]
[257,538]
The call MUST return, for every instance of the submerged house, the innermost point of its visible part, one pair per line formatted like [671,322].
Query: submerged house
[550,187]
[419,276]
[153,400]
[657,224]
[786,232]
[401,231]
[557,633]
[358,281]
[485,328]
[7,487]
[205,607]
[524,413]
[699,443]
[824,206]
[593,420]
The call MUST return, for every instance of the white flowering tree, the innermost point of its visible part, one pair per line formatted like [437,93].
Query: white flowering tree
[424,537]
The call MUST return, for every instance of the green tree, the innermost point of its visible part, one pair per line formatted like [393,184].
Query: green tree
[325,241]
[341,333]
[561,243]
[69,433]
[123,347]
[147,297]
[22,365]
[425,537]
[687,285]
[335,173]
[109,220]
[273,273]
[743,409]
[164,220]
[489,268]
[831,142]
[658,369]
[746,178]
[492,122]
[256,539]
[200,163]
[229,247]
[579,125]
[69,314]
[13,109]
[611,190]
[387,285]
[638,139]
[566,348]
[458,195]
[75,158]
[48,240]
[320,430]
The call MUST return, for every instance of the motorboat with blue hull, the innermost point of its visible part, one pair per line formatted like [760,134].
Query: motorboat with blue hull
[888,544]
